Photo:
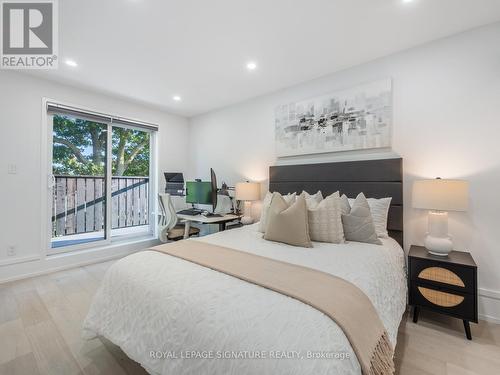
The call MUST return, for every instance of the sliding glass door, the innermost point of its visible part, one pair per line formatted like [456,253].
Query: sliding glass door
[101,185]
[79,171]
[130,184]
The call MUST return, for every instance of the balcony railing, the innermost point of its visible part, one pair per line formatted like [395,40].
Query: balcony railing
[79,204]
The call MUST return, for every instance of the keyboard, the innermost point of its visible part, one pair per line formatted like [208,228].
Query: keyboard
[190,211]
[213,215]
[197,211]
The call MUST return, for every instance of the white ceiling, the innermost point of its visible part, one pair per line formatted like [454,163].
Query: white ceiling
[151,50]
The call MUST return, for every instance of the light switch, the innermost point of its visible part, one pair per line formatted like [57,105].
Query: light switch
[11,250]
[12,169]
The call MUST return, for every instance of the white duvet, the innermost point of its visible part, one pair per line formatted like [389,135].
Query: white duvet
[175,317]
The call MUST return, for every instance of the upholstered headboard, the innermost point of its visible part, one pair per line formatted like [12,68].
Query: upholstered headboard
[375,178]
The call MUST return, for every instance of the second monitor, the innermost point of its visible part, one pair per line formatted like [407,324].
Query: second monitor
[203,192]
[199,192]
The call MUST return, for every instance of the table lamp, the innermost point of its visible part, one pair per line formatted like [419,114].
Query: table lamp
[247,192]
[440,196]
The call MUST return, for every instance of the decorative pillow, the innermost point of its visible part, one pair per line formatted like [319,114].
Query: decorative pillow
[334,195]
[345,206]
[312,200]
[325,220]
[288,224]
[358,224]
[289,198]
[380,211]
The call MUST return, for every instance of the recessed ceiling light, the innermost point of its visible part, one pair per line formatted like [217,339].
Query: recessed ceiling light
[407,1]
[71,63]
[177,98]
[251,65]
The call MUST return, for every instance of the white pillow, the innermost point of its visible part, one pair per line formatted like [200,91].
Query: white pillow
[325,220]
[379,209]
[358,224]
[289,199]
[345,205]
[312,200]
[334,195]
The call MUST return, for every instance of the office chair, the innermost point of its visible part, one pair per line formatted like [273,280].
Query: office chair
[168,228]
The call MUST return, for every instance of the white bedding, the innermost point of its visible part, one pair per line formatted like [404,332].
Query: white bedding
[150,301]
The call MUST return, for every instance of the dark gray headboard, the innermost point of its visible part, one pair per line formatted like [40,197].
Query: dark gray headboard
[375,178]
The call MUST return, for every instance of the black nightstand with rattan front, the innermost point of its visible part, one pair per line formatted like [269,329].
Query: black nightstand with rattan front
[447,285]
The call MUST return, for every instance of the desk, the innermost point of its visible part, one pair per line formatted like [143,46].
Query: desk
[206,220]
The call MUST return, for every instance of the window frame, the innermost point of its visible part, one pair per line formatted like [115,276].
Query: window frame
[46,185]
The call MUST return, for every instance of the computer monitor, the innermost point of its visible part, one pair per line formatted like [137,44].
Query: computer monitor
[213,181]
[199,192]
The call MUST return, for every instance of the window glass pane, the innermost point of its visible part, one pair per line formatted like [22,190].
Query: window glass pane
[130,184]
[79,182]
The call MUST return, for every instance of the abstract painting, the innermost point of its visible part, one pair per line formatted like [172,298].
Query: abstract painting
[353,119]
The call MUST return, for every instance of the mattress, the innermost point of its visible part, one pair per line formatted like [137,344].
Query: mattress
[175,317]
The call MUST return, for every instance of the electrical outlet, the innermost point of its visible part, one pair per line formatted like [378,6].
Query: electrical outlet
[12,169]
[11,250]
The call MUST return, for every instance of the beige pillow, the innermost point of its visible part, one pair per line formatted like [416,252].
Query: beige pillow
[358,224]
[289,199]
[325,220]
[288,224]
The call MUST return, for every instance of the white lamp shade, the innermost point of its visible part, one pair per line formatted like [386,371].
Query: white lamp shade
[247,191]
[441,195]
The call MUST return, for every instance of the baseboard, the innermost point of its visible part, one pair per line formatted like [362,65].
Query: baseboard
[38,267]
[489,319]
[489,305]
[7,262]
[64,267]
[488,293]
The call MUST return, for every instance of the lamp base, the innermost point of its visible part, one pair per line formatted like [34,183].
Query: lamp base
[247,214]
[440,246]
[437,241]
[245,220]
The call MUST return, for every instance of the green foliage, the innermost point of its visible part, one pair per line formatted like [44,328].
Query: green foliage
[131,152]
[80,148]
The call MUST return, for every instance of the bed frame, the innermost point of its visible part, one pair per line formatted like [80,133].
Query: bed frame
[375,178]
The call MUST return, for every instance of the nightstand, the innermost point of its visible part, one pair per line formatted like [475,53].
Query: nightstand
[447,285]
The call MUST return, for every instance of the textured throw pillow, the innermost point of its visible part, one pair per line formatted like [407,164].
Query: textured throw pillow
[288,224]
[325,220]
[289,198]
[380,211]
[358,224]
[312,200]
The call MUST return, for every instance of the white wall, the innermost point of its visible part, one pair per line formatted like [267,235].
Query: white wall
[20,144]
[446,123]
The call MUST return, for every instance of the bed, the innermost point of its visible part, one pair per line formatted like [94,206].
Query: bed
[176,317]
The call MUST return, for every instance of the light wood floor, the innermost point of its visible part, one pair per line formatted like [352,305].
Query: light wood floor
[41,318]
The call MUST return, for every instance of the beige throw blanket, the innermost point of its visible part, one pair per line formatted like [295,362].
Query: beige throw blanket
[339,299]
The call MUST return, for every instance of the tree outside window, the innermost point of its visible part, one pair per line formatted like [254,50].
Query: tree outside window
[80,149]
